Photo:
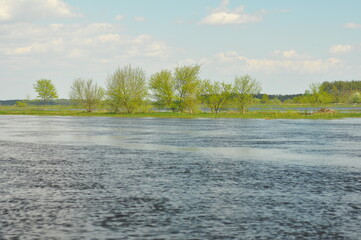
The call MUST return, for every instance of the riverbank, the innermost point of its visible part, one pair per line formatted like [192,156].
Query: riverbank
[249,115]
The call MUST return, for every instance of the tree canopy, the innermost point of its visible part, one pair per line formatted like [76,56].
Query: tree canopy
[127,89]
[215,95]
[86,93]
[244,88]
[187,83]
[162,85]
[46,90]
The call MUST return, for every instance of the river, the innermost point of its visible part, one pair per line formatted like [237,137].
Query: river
[150,178]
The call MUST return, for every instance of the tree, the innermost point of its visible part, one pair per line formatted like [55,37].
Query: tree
[187,83]
[86,93]
[317,96]
[215,95]
[162,85]
[127,89]
[275,101]
[20,104]
[46,90]
[244,88]
[265,99]
[356,97]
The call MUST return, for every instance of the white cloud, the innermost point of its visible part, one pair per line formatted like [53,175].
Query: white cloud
[291,54]
[139,19]
[51,46]
[338,49]
[352,25]
[191,61]
[119,17]
[272,66]
[25,10]
[94,41]
[222,15]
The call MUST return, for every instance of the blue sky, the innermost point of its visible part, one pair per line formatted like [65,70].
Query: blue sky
[284,44]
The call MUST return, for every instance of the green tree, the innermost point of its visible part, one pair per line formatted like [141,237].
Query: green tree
[162,85]
[265,99]
[46,90]
[86,93]
[127,89]
[187,83]
[341,90]
[275,101]
[319,97]
[356,97]
[215,95]
[20,104]
[244,88]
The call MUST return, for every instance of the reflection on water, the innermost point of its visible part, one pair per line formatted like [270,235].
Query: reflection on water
[98,178]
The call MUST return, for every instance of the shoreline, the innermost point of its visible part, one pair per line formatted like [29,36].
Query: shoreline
[250,115]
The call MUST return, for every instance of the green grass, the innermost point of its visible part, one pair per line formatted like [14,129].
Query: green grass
[266,112]
[251,115]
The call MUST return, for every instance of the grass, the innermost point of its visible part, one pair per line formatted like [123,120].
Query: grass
[273,114]
[266,112]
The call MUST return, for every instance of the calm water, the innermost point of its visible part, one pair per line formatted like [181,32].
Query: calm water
[113,178]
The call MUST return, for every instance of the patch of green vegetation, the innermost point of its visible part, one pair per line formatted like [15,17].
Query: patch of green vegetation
[274,114]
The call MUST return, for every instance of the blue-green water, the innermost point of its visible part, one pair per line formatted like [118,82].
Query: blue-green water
[149,178]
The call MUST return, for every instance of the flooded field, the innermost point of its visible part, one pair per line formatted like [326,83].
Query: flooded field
[149,178]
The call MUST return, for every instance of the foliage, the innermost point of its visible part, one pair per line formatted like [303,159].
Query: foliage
[356,97]
[215,95]
[46,90]
[244,88]
[275,101]
[20,104]
[86,93]
[127,89]
[341,90]
[318,96]
[162,85]
[187,82]
[264,99]
[249,115]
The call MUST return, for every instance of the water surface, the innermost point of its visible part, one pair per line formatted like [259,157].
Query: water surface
[149,178]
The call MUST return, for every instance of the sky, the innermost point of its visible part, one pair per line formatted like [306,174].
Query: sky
[284,44]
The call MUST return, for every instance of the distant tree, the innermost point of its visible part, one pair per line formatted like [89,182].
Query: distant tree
[215,95]
[265,99]
[20,104]
[341,90]
[317,96]
[162,85]
[356,97]
[127,89]
[256,100]
[275,101]
[86,93]
[244,88]
[187,84]
[46,90]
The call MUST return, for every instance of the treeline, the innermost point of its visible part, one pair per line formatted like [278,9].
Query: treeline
[129,90]
[342,91]
[12,102]
[332,92]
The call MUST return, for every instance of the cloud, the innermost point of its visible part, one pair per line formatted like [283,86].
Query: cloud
[95,41]
[274,66]
[291,54]
[352,25]
[139,19]
[222,15]
[119,17]
[339,49]
[25,10]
